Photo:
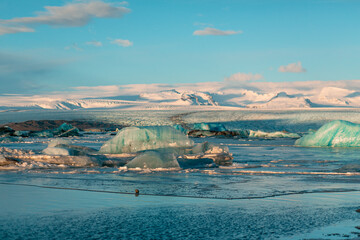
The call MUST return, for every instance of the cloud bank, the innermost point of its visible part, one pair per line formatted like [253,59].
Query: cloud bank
[215,32]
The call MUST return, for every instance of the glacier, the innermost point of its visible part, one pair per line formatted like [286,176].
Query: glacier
[135,139]
[339,133]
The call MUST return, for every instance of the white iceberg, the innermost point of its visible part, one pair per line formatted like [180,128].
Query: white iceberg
[60,147]
[337,133]
[135,139]
[154,159]
[278,134]
[57,151]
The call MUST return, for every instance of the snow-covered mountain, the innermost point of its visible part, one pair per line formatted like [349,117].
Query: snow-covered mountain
[283,101]
[216,95]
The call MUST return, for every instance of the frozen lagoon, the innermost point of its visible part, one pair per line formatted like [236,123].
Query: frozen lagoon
[273,190]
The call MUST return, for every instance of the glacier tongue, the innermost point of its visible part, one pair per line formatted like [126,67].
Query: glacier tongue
[135,139]
[337,133]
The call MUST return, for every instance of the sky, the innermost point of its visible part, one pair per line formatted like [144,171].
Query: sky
[57,45]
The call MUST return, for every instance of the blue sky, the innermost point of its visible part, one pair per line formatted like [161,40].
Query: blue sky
[175,41]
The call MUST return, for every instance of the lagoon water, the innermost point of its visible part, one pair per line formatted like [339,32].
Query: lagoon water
[273,190]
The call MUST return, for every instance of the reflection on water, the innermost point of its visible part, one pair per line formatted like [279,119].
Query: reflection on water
[273,189]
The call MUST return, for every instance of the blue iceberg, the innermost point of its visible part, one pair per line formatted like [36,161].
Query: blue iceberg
[337,133]
[180,128]
[213,127]
[136,139]
[66,130]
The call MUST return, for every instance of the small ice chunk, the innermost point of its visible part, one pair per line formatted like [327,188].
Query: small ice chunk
[207,147]
[57,141]
[135,139]
[56,151]
[44,133]
[337,133]
[219,154]
[154,159]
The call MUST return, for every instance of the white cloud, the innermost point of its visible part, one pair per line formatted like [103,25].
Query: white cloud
[14,29]
[292,67]
[244,77]
[122,42]
[215,32]
[94,43]
[69,15]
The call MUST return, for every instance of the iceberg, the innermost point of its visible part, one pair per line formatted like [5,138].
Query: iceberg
[44,133]
[57,151]
[136,139]
[207,153]
[279,134]
[213,127]
[180,128]
[66,130]
[6,131]
[337,133]
[59,147]
[215,130]
[154,159]
[21,133]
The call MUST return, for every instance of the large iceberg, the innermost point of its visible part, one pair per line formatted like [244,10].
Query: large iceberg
[337,133]
[135,139]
